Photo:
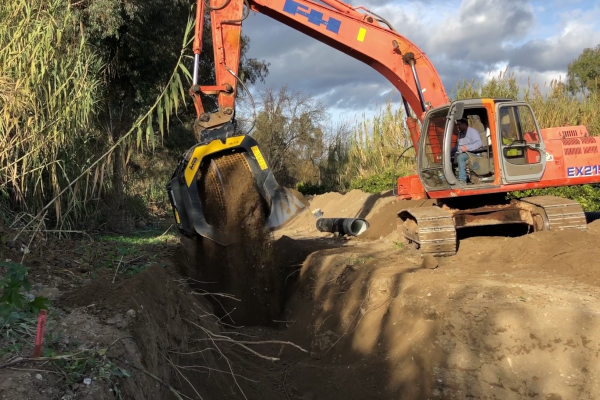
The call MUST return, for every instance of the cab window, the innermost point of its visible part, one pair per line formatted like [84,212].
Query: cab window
[432,150]
[518,125]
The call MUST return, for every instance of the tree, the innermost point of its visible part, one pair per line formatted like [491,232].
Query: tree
[335,165]
[140,42]
[584,72]
[289,129]
[48,95]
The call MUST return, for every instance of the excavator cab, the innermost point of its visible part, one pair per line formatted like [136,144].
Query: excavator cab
[512,149]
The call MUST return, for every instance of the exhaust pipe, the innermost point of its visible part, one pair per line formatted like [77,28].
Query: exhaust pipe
[343,226]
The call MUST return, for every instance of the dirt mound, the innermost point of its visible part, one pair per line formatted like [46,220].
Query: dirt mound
[548,255]
[506,318]
[176,337]
[354,204]
[594,227]
[383,219]
[380,210]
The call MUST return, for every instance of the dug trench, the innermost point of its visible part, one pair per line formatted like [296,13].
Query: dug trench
[505,318]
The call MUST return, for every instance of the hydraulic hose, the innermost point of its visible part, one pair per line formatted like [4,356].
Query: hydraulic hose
[395,182]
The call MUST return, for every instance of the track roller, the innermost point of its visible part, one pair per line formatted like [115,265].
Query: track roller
[560,214]
[430,228]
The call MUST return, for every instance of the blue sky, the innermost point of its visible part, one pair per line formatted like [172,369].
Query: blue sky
[464,39]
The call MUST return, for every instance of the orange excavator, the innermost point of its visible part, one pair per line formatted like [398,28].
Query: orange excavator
[515,154]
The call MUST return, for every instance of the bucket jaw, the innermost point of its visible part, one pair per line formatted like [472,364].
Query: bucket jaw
[185,197]
[284,207]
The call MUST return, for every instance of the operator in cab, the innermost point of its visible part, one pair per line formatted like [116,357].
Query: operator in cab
[468,140]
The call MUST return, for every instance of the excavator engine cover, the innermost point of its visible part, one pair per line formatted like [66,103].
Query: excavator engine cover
[186,199]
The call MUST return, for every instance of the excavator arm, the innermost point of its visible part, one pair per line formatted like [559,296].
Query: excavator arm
[361,35]
[198,188]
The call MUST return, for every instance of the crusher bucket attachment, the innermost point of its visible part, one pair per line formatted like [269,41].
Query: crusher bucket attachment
[203,171]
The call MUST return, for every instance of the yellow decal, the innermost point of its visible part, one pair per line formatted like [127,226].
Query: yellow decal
[361,34]
[202,151]
[259,157]
[177,217]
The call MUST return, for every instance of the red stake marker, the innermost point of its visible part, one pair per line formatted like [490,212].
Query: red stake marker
[39,337]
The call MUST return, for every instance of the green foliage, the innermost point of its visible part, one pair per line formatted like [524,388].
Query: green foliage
[559,108]
[375,146]
[18,314]
[86,364]
[12,300]
[75,77]
[399,245]
[334,166]
[587,195]
[584,72]
[140,42]
[360,260]
[48,95]
[310,188]
[375,183]
[501,86]
[290,133]
[142,238]
[363,157]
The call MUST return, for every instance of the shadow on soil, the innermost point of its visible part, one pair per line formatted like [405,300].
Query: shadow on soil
[376,325]
[379,327]
[217,283]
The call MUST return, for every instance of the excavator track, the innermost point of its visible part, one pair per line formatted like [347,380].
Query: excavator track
[560,213]
[433,229]
[430,228]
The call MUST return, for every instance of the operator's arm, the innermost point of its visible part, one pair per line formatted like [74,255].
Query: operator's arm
[473,139]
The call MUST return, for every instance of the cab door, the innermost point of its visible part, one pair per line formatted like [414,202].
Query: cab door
[521,148]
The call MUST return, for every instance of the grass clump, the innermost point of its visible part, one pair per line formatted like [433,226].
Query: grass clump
[141,238]
[18,309]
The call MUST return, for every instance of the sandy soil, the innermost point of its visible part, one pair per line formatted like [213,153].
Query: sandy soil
[505,318]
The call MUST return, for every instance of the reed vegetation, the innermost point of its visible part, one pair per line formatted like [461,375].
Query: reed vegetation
[55,158]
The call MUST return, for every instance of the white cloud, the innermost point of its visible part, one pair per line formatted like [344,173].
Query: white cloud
[464,40]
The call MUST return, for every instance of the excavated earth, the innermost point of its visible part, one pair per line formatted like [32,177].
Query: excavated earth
[505,318]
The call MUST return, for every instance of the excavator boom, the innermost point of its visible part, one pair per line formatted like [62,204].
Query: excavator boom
[354,31]
[361,35]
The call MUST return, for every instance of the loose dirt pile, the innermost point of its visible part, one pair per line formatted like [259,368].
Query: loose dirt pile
[245,268]
[379,210]
[505,318]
